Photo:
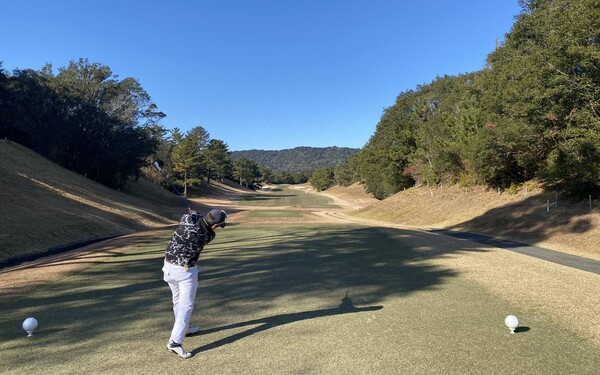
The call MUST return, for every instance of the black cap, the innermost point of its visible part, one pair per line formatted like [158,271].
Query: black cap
[216,217]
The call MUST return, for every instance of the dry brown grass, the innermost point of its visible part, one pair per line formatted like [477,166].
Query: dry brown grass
[45,206]
[569,226]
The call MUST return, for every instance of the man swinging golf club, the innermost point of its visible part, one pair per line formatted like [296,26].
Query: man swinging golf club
[181,269]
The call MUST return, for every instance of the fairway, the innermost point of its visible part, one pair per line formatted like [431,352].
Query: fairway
[276,213]
[286,299]
[285,196]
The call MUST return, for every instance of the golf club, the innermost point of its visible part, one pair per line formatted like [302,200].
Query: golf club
[157,165]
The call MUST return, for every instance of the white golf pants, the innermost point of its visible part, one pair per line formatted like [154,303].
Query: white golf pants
[183,286]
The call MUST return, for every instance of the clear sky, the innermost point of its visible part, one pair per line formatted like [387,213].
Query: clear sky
[263,74]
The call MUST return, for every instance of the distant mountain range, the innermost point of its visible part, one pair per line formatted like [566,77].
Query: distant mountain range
[297,159]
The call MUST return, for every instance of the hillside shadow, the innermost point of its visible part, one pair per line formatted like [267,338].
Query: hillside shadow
[530,221]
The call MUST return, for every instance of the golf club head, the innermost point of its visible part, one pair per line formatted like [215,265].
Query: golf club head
[158,165]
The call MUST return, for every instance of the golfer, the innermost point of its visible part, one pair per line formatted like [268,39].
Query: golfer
[181,269]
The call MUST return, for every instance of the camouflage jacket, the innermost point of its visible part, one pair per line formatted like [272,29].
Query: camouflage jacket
[188,240]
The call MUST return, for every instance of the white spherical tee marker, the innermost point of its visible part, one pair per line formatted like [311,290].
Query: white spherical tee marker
[29,325]
[512,323]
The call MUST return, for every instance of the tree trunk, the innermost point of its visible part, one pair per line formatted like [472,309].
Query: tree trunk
[185,184]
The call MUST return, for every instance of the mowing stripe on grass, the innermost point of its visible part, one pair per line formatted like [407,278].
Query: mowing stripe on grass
[286,197]
[276,213]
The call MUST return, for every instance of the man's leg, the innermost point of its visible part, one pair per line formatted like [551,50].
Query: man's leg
[184,306]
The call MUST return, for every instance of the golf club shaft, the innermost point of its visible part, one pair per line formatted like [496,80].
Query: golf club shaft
[159,169]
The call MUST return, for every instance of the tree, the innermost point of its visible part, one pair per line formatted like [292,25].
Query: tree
[218,160]
[382,163]
[266,176]
[344,173]
[83,118]
[322,179]
[186,158]
[246,171]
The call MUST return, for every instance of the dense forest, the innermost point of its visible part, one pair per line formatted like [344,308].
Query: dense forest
[297,159]
[532,113]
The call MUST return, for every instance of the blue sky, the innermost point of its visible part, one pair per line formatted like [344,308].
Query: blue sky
[263,74]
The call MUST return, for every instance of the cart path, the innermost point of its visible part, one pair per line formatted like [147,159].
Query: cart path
[573,261]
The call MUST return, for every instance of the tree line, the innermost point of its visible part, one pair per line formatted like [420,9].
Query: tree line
[84,118]
[297,159]
[532,113]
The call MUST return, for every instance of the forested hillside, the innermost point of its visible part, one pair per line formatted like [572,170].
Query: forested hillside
[297,159]
[532,113]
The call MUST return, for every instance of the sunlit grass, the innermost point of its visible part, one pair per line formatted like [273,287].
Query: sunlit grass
[285,299]
[286,196]
[276,213]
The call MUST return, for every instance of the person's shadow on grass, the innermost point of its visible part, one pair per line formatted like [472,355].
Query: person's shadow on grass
[346,307]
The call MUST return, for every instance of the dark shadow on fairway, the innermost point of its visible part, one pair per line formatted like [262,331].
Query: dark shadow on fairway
[310,260]
[245,272]
[346,307]
[522,329]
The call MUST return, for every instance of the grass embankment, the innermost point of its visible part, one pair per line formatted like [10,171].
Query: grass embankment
[45,206]
[528,215]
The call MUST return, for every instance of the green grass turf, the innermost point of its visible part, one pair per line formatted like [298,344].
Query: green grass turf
[285,299]
[276,213]
[285,196]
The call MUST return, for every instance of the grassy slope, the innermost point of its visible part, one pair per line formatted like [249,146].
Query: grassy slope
[569,226]
[45,206]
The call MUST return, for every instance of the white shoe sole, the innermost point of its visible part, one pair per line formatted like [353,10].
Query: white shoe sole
[179,351]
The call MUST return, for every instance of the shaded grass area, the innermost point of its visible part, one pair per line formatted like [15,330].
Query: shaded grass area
[286,299]
[276,213]
[285,196]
